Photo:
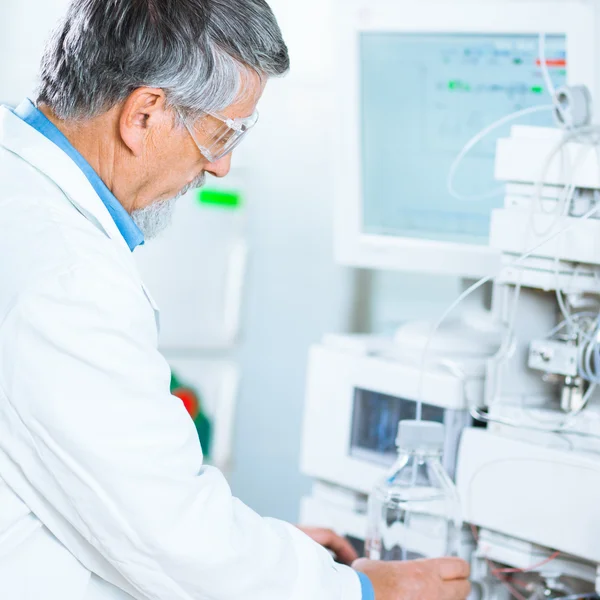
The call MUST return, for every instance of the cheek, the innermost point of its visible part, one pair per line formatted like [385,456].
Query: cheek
[176,155]
[177,165]
[188,157]
[178,171]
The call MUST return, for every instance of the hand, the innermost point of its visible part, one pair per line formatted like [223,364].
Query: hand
[437,579]
[341,547]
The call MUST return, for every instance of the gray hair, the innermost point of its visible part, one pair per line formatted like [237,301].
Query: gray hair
[198,51]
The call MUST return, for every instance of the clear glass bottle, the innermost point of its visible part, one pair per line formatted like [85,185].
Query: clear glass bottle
[414,512]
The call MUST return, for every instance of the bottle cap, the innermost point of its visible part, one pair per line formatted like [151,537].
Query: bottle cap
[420,435]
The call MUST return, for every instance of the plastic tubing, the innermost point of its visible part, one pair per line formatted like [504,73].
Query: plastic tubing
[474,141]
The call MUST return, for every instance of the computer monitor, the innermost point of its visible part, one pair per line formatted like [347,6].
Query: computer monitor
[417,81]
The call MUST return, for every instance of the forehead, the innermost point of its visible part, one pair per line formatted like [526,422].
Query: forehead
[252,88]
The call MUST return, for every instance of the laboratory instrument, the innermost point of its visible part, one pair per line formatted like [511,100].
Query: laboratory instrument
[463,163]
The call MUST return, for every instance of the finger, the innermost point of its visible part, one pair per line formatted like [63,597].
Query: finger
[453,568]
[361,563]
[343,549]
[456,590]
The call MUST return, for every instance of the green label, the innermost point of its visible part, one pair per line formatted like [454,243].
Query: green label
[220,198]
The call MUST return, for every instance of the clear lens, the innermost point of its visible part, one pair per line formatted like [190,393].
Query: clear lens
[221,140]
[225,135]
[220,135]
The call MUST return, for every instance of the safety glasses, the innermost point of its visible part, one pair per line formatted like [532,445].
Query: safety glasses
[221,134]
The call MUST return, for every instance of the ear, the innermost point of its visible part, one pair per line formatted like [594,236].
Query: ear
[143,112]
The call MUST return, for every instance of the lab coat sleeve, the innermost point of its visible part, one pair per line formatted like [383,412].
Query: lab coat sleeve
[118,457]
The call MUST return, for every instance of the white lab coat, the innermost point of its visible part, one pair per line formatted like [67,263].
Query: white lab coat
[103,493]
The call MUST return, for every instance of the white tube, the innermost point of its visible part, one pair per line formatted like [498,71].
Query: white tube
[475,140]
[481,283]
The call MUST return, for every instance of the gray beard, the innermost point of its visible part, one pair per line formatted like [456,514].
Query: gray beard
[194,185]
[155,218]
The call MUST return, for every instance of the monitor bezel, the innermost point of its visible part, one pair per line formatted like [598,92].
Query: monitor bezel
[357,249]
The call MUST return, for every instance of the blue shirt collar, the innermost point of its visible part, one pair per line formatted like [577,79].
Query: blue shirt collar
[29,113]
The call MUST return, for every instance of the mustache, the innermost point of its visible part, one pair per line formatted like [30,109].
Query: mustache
[193,185]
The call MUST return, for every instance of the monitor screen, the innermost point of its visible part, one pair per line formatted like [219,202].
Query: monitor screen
[423,96]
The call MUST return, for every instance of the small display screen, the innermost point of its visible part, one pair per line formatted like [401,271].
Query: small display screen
[375,424]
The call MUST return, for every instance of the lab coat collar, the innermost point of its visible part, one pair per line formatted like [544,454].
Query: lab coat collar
[23,140]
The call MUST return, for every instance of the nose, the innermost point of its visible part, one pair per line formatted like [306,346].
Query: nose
[221,167]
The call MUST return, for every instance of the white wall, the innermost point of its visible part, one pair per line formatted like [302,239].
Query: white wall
[24,28]
[295,291]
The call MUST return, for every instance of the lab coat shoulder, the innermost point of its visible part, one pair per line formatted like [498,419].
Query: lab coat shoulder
[42,235]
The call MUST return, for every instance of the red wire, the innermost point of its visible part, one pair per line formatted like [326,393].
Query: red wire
[513,592]
[498,572]
[532,568]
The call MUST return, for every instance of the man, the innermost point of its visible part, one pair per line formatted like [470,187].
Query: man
[103,493]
